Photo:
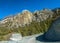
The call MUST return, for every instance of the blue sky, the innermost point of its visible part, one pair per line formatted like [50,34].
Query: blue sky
[8,7]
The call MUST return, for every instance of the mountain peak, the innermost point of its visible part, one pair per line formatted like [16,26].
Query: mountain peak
[25,10]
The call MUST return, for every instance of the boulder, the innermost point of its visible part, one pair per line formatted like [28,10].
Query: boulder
[53,32]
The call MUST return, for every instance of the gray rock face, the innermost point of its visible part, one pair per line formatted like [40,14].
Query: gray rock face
[43,14]
[53,32]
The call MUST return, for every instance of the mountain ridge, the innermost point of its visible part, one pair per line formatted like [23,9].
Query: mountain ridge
[26,17]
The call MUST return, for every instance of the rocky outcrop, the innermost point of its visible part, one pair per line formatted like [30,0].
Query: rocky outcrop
[26,16]
[43,14]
